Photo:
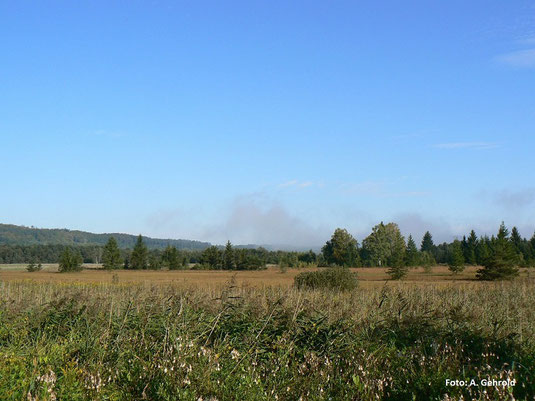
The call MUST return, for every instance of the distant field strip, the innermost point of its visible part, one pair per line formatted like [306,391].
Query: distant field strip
[368,277]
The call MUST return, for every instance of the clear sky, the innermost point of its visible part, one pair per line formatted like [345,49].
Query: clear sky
[269,122]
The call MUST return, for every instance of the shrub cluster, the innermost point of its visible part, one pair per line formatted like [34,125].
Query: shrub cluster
[335,278]
[34,267]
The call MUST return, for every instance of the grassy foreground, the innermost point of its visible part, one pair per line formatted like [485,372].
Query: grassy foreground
[104,341]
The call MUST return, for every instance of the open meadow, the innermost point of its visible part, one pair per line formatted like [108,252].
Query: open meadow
[272,276]
[250,335]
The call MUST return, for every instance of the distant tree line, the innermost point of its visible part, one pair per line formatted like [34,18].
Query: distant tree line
[229,258]
[111,255]
[47,253]
[500,255]
[19,235]
[385,246]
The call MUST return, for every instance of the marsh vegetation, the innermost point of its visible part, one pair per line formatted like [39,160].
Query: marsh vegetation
[124,341]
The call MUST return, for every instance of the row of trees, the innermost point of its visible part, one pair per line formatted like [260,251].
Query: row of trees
[385,246]
[47,253]
[172,259]
[499,255]
[232,259]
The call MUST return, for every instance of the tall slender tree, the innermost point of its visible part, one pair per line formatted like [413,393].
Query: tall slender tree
[531,248]
[412,256]
[516,239]
[456,258]
[111,256]
[427,243]
[471,248]
[228,257]
[140,255]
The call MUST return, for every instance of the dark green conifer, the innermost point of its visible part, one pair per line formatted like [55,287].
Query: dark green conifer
[111,257]
[140,255]
[456,258]
[503,260]
[412,256]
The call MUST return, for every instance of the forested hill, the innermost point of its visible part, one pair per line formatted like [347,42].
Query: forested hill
[20,235]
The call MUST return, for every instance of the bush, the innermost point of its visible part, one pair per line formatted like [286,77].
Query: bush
[335,278]
[33,267]
[397,272]
[70,261]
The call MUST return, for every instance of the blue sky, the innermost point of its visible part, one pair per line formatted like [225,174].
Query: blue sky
[268,122]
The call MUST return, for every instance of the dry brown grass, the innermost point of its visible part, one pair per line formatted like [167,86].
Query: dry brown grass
[368,277]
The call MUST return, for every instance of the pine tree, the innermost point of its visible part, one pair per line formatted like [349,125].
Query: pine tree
[240,259]
[464,247]
[471,248]
[531,250]
[522,247]
[171,258]
[456,258]
[412,257]
[503,260]
[155,261]
[111,257]
[516,239]
[427,243]
[397,272]
[482,250]
[140,255]
[70,261]
[211,257]
[427,260]
[228,257]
